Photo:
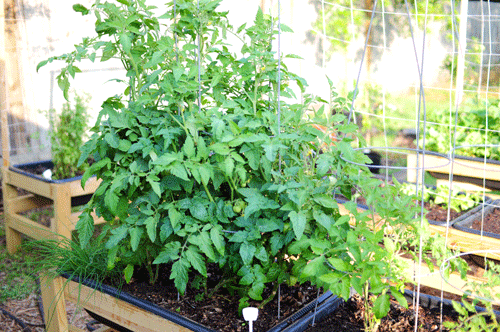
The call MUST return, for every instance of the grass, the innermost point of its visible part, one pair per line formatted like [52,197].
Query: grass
[16,280]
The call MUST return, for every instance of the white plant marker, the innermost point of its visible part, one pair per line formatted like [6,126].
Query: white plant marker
[47,174]
[250,314]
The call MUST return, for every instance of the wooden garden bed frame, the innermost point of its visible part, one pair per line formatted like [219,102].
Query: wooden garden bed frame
[468,173]
[40,194]
[56,291]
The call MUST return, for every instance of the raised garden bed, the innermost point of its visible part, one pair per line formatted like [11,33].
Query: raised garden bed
[142,312]
[485,222]
[469,170]
[24,190]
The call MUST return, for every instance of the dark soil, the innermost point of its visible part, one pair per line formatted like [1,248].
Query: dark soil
[349,317]
[439,213]
[220,311]
[491,222]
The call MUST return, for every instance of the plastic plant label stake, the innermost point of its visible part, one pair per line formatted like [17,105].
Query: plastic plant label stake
[250,314]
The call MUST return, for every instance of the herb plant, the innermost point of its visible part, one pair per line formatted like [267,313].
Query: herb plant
[68,133]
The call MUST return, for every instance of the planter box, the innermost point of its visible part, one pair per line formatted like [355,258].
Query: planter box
[472,239]
[63,194]
[465,225]
[467,170]
[124,312]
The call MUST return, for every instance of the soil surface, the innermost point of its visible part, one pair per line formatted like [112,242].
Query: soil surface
[220,310]
[439,213]
[349,317]
[491,222]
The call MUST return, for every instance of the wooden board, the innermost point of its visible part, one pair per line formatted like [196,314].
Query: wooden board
[464,171]
[420,273]
[123,313]
[47,189]
[41,194]
[468,242]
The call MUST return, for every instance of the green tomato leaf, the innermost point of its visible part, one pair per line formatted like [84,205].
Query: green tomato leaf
[196,260]
[128,272]
[169,253]
[125,42]
[135,237]
[151,224]
[180,171]
[298,222]
[175,217]
[381,306]
[188,147]
[85,228]
[247,252]
[118,234]
[399,297]
[204,243]
[180,274]
[218,240]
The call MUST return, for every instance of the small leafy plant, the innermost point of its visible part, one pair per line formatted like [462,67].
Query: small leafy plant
[483,117]
[460,200]
[351,254]
[68,133]
[472,319]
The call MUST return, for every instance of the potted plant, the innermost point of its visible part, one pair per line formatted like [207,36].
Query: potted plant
[205,170]
[55,181]
[466,140]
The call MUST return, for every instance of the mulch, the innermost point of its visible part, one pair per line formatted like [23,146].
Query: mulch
[349,317]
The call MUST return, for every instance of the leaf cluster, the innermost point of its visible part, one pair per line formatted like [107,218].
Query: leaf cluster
[453,129]
[208,157]
[202,163]
[440,195]
[479,314]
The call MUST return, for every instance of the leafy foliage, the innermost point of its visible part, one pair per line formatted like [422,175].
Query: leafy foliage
[472,319]
[346,252]
[199,165]
[68,133]
[483,116]
[460,200]
[201,162]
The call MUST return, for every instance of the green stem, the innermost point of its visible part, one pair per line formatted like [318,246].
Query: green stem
[220,284]
[208,192]
[271,297]
[367,312]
